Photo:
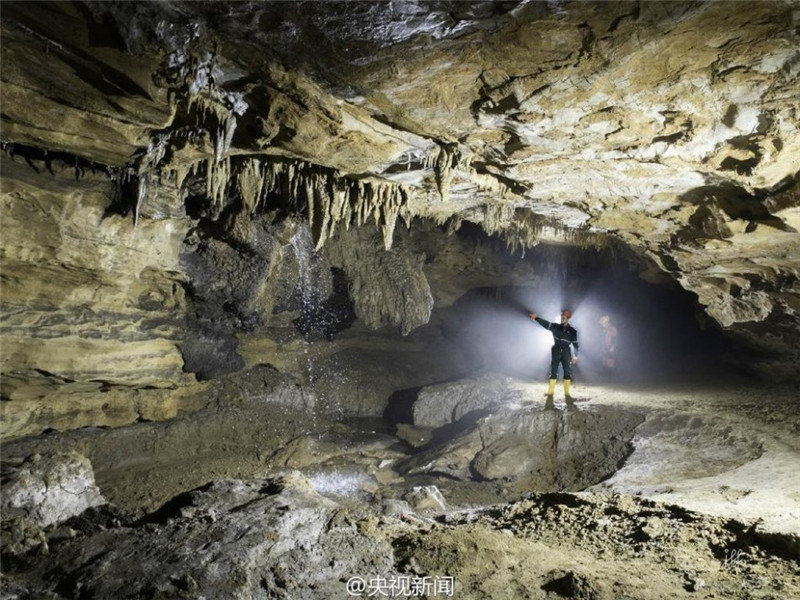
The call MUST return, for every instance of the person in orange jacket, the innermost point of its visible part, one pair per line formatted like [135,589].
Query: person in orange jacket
[609,345]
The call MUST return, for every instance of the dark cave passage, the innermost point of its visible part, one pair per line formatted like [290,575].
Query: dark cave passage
[663,335]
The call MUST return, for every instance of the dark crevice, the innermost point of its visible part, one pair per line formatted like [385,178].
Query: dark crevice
[48,157]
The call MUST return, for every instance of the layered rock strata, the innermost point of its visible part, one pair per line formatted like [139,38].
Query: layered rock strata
[187,128]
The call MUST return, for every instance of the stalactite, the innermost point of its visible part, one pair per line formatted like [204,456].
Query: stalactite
[446,162]
[406,214]
[147,167]
[488,183]
[212,104]
[331,198]
[453,225]
[440,218]
[250,180]
[215,111]
[179,173]
[521,228]
[430,158]
[217,175]
[497,218]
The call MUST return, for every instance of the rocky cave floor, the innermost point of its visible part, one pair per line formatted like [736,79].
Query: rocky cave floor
[637,493]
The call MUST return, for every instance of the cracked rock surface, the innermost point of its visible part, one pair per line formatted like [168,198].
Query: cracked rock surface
[49,489]
[277,537]
[507,439]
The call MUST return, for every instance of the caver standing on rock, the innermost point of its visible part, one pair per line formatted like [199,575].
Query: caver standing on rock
[564,336]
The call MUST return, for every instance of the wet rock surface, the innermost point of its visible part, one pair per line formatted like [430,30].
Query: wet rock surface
[230,429]
[389,288]
[353,509]
[447,403]
[487,432]
[265,538]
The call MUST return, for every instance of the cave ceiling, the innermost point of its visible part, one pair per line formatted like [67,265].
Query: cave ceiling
[671,126]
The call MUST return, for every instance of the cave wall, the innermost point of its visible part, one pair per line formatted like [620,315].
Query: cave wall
[171,171]
[92,307]
[109,320]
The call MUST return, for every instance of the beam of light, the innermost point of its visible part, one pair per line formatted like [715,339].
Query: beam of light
[658,340]
[495,332]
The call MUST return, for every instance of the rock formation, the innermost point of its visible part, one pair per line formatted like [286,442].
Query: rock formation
[129,129]
[243,239]
[50,489]
[279,538]
[483,434]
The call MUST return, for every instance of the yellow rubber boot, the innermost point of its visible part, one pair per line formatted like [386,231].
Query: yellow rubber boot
[551,389]
[567,397]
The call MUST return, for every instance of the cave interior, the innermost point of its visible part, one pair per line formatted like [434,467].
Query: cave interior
[267,280]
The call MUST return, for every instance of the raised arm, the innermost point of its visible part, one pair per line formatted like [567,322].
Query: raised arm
[540,321]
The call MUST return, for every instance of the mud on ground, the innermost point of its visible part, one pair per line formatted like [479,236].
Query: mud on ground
[704,505]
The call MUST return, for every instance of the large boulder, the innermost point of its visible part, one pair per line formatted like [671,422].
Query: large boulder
[265,538]
[50,489]
[499,439]
[446,403]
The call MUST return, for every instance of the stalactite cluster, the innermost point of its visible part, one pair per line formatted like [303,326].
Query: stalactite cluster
[212,106]
[446,162]
[331,198]
[521,228]
[488,183]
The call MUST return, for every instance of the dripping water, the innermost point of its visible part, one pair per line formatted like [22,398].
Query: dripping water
[309,291]
[305,292]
